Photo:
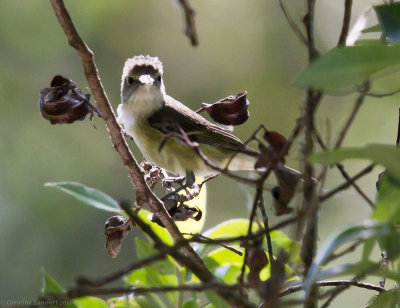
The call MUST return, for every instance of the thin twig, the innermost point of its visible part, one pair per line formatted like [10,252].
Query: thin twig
[346,23]
[349,249]
[344,173]
[267,230]
[216,242]
[356,108]
[292,24]
[215,286]
[334,283]
[190,28]
[349,182]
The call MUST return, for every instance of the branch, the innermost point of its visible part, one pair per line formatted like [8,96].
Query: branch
[346,23]
[190,29]
[293,25]
[344,173]
[334,283]
[310,202]
[356,108]
[214,286]
[349,182]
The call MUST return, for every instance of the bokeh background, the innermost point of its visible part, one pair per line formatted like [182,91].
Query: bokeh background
[244,45]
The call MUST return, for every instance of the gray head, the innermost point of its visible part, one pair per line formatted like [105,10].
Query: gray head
[141,72]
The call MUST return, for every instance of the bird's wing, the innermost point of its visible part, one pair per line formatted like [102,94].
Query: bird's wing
[175,115]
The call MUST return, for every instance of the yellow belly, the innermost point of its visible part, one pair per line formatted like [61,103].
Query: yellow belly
[175,156]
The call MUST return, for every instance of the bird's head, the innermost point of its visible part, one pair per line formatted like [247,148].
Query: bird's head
[142,75]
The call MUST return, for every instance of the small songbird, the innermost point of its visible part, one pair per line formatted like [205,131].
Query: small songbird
[149,115]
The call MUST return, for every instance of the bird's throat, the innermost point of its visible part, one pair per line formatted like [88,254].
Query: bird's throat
[143,102]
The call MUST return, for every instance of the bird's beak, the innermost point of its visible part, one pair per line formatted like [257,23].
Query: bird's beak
[146,80]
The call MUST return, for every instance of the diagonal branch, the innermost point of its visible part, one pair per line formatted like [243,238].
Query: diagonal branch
[292,24]
[356,108]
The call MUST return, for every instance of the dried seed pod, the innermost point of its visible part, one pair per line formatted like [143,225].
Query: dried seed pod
[231,110]
[64,103]
[256,261]
[115,229]
[276,140]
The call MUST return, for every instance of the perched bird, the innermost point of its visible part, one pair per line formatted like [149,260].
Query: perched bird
[149,115]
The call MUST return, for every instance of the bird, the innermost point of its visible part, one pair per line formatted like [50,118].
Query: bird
[153,118]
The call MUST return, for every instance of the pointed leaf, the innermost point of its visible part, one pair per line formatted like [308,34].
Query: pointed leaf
[88,195]
[343,69]
[90,302]
[385,155]
[367,230]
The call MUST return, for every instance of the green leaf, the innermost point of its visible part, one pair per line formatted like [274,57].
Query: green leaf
[90,302]
[281,241]
[137,278]
[88,195]
[375,28]
[190,303]
[367,230]
[159,273]
[388,206]
[385,155]
[50,285]
[230,228]
[343,69]
[224,264]
[367,248]
[389,20]
[216,300]
[161,232]
[389,299]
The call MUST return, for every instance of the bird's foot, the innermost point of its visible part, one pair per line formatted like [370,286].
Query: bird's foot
[178,210]
[189,181]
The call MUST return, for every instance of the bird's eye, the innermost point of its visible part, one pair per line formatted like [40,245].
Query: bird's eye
[130,81]
[158,78]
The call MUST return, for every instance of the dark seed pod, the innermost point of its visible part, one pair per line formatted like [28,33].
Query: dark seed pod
[64,103]
[231,110]
[116,229]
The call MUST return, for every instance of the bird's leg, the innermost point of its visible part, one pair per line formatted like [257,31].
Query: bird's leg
[168,181]
[189,181]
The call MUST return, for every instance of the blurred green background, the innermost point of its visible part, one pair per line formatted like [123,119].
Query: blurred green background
[244,45]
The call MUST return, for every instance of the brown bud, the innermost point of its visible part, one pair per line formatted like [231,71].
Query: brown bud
[63,102]
[231,110]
